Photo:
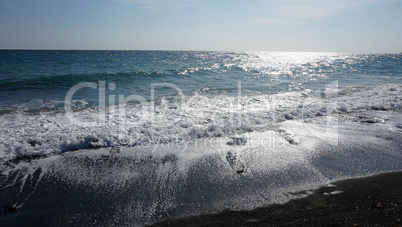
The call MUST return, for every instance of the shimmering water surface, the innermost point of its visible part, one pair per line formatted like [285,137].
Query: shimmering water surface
[135,137]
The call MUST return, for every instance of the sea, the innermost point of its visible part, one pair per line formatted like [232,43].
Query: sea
[132,138]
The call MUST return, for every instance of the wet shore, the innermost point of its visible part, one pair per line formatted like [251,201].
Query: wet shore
[370,201]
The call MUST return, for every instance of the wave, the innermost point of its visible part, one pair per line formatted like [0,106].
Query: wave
[182,118]
[68,80]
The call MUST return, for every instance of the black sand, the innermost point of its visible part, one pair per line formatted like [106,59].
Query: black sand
[369,201]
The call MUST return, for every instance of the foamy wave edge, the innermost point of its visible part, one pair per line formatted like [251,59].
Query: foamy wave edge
[174,119]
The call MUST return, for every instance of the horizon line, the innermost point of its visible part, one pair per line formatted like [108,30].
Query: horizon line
[173,50]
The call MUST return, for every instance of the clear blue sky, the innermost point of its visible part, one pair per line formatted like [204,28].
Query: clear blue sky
[262,25]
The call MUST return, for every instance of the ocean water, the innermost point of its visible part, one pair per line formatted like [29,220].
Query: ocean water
[136,137]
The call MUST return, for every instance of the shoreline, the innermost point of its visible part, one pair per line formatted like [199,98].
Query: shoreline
[370,200]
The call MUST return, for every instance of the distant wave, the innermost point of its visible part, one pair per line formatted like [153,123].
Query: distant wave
[68,80]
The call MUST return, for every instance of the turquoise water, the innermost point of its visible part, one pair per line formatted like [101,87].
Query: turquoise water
[37,78]
[181,95]
[130,138]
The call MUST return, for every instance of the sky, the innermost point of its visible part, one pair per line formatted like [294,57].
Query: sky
[357,26]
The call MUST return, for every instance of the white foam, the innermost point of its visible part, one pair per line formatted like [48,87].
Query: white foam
[174,120]
[240,171]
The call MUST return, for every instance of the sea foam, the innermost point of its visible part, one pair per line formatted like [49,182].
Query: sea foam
[178,119]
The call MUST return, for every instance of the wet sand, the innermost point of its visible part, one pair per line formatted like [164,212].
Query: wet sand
[370,201]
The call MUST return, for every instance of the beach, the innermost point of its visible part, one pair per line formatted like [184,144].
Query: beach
[236,184]
[369,201]
[200,113]
[136,138]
